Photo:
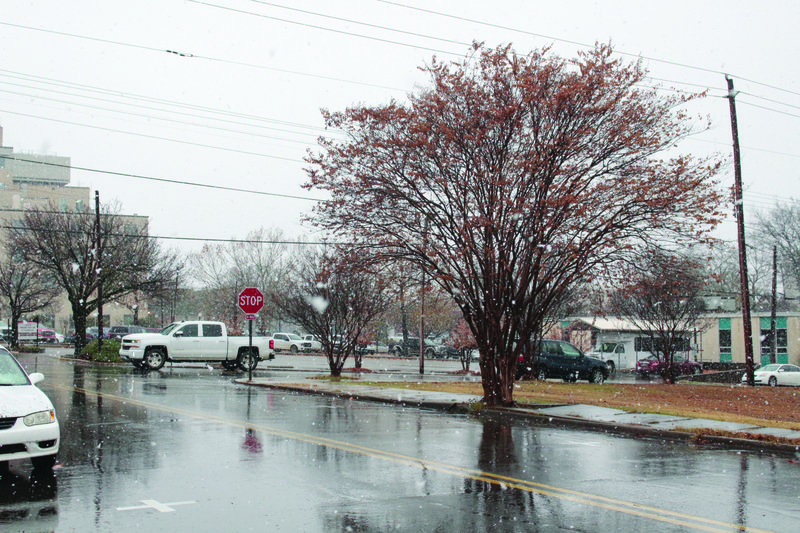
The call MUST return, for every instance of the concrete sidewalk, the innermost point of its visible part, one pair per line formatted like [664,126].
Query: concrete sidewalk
[601,418]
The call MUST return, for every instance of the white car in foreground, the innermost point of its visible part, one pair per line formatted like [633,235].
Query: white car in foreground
[28,425]
[775,375]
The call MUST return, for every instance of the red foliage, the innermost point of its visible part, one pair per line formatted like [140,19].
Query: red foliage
[512,178]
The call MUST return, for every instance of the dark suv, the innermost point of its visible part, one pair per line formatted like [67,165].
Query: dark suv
[117,332]
[560,359]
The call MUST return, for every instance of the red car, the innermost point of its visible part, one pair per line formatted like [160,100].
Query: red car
[680,364]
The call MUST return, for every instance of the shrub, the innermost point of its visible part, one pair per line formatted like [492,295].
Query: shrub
[30,348]
[109,354]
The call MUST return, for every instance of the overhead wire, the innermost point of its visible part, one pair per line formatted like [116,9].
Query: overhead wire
[195,239]
[189,55]
[162,180]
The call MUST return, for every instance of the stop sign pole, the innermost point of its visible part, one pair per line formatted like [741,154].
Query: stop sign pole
[251,300]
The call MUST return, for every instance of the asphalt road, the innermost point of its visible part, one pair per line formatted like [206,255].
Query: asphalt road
[188,449]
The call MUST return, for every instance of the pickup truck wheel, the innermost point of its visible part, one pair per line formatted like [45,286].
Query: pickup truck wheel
[154,359]
[293,349]
[247,360]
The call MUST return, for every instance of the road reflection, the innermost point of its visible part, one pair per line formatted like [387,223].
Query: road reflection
[28,502]
[190,449]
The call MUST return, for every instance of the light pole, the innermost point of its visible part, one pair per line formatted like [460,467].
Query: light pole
[175,295]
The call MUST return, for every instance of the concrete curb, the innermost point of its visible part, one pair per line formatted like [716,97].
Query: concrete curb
[466,404]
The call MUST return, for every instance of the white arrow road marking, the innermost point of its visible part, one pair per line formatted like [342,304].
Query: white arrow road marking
[153,504]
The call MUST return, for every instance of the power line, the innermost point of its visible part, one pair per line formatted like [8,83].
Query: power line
[201,145]
[162,180]
[577,43]
[163,237]
[197,56]
[323,28]
[183,122]
[351,21]
[198,111]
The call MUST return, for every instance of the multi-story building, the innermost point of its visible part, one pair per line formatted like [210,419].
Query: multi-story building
[36,181]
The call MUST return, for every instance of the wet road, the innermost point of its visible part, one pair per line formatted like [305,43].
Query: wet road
[187,449]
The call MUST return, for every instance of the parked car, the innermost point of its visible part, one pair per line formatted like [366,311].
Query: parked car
[439,349]
[776,375]
[606,351]
[681,365]
[94,331]
[28,425]
[407,349]
[560,359]
[374,347]
[70,339]
[290,342]
[195,341]
[117,332]
[316,345]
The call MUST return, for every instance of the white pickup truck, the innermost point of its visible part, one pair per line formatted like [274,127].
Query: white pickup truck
[195,341]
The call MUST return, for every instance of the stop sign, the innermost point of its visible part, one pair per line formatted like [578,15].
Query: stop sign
[251,301]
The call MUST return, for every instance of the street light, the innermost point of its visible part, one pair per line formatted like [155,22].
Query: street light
[175,297]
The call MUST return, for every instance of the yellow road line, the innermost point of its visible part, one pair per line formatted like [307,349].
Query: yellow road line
[622,506]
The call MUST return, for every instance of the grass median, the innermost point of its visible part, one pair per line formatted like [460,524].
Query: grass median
[762,406]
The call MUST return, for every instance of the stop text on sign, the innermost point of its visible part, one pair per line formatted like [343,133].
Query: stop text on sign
[251,300]
[246,300]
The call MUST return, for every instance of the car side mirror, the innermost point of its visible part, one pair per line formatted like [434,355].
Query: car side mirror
[36,377]
[178,334]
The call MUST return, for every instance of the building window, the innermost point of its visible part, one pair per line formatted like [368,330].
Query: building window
[725,340]
[781,353]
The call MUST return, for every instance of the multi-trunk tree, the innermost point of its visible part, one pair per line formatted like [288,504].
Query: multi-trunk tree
[334,295]
[79,255]
[511,178]
[664,299]
[24,288]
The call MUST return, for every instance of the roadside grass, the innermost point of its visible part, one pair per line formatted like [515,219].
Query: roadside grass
[762,406]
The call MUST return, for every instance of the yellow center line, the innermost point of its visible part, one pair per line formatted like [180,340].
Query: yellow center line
[622,506]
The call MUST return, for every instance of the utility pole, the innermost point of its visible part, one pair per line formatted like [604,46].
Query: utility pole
[99,251]
[773,326]
[739,211]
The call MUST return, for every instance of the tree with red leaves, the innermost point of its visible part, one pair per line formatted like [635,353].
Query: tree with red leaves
[461,339]
[663,298]
[510,179]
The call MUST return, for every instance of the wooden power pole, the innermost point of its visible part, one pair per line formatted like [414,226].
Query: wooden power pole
[739,210]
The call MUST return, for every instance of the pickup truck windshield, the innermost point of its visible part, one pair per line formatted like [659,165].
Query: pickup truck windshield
[169,328]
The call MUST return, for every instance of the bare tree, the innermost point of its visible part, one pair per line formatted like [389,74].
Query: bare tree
[780,227]
[510,179]
[335,296]
[25,287]
[262,259]
[664,300]
[723,269]
[65,244]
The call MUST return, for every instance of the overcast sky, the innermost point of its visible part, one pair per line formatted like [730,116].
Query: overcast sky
[228,92]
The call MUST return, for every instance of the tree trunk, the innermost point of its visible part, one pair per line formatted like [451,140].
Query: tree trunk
[497,381]
[335,363]
[14,329]
[79,318]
